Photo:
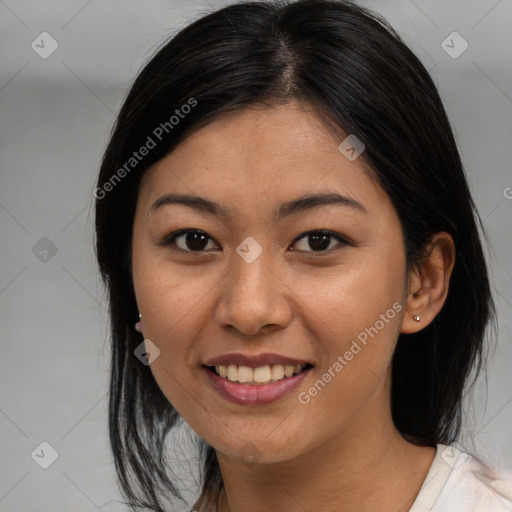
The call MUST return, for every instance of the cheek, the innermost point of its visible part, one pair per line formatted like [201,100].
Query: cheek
[353,296]
[173,306]
[358,316]
[167,294]
[173,317]
[357,349]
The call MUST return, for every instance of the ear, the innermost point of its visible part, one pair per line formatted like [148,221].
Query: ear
[428,284]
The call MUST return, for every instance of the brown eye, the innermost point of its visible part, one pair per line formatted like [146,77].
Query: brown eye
[189,240]
[319,241]
[195,240]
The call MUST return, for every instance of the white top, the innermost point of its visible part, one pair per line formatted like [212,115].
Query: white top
[458,482]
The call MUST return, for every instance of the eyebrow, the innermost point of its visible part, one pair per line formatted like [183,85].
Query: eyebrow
[301,204]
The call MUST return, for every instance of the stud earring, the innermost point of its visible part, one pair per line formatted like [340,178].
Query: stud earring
[138,325]
[416,318]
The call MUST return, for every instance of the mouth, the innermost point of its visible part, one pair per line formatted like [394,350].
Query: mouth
[257,376]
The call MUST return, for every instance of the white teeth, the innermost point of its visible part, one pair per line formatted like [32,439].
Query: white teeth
[277,372]
[232,372]
[245,374]
[288,370]
[260,375]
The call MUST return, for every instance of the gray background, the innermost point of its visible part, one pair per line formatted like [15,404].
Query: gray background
[56,115]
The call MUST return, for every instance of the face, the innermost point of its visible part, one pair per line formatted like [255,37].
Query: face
[319,283]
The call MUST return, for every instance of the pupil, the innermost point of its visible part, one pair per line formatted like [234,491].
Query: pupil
[196,241]
[319,241]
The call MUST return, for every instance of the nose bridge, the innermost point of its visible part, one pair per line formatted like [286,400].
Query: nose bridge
[251,298]
[250,273]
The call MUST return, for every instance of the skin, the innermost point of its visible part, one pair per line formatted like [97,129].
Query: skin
[340,451]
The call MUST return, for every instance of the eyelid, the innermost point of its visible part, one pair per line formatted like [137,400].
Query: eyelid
[169,240]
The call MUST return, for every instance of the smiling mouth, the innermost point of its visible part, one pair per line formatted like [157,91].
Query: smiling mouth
[258,376]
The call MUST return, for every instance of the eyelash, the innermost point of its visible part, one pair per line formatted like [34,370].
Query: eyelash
[169,240]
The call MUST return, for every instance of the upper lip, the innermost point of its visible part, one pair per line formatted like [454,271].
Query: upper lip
[254,361]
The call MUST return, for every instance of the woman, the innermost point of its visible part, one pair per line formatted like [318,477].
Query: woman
[283,209]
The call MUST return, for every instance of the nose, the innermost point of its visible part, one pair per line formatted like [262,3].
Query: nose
[255,297]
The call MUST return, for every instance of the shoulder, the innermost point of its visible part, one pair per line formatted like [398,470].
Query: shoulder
[459,482]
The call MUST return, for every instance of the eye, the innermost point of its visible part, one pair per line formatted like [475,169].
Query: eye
[195,240]
[188,240]
[320,240]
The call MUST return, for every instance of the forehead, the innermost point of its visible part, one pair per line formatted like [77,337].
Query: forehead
[259,158]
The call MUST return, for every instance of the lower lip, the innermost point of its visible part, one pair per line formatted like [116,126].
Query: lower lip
[247,394]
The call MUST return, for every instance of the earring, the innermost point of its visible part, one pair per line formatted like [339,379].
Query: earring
[138,325]
[416,318]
